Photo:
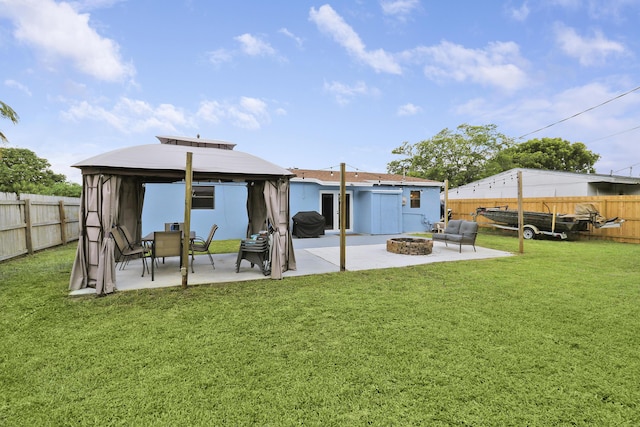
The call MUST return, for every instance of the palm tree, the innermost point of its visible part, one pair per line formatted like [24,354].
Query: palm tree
[7,112]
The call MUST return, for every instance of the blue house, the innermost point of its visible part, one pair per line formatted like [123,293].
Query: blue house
[376,203]
[222,203]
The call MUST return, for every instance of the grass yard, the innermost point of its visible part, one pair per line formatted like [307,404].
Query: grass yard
[550,337]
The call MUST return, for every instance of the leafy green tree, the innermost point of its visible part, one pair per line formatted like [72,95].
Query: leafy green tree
[461,156]
[550,154]
[8,113]
[21,171]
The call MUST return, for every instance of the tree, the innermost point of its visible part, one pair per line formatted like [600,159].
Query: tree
[551,154]
[21,171]
[461,156]
[8,113]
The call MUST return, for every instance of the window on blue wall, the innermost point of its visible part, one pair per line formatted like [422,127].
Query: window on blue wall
[203,197]
[415,199]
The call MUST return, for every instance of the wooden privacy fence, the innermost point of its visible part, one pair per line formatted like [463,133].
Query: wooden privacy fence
[36,222]
[625,207]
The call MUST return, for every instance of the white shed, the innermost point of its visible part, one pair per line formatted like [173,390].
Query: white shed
[546,183]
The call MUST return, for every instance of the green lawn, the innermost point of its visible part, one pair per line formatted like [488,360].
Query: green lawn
[550,337]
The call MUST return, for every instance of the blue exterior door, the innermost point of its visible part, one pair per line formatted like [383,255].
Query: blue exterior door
[387,214]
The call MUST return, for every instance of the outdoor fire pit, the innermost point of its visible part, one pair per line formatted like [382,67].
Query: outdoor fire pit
[409,246]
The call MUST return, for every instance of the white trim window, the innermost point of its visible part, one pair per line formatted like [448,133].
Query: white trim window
[203,197]
[415,199]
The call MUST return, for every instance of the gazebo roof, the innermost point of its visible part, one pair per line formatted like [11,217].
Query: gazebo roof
[166,162]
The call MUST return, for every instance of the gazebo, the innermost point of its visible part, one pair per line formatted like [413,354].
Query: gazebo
[113,194]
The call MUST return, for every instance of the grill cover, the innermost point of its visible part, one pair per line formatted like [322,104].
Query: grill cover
[308,224]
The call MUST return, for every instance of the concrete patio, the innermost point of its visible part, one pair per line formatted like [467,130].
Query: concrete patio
[313,256]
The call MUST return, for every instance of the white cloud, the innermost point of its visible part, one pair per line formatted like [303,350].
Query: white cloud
[247,113]
[345,93]
[249,45]
[587,50]
[254,46]
[130,116]
[93,4]
[499,64]
[211,111]
[60,34]
[292,36]
[219,56]
[408,110]
[601,9]
[329,22]
[17,85]
[399,8]
[520,14]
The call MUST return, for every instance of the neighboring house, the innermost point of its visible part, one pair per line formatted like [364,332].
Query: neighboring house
[546,183]
[377,203]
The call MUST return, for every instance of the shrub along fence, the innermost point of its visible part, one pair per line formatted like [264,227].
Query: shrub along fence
[625,207]
[32,222]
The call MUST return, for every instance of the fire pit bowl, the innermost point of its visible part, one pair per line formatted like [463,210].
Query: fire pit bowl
[409,246]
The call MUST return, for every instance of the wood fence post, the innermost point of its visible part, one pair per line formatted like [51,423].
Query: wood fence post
[28,237]
[63,222]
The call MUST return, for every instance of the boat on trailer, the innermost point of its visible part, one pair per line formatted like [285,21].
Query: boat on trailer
[547,223]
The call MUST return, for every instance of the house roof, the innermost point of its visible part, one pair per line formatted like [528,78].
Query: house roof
[584,177]
[166,162]
[332,177]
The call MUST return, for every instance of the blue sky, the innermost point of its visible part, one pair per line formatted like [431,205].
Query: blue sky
[313,84]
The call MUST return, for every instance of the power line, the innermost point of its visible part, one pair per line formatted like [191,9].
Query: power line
[628,167]
[581,112]
[614,134]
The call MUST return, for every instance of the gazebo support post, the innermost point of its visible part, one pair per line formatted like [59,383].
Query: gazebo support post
[186,233]
[343,218]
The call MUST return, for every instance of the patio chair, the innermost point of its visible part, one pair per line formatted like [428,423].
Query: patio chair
[129,238]
[165,243]
[127,253]
[201,245]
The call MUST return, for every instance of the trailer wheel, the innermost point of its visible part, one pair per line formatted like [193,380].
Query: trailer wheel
[528,233]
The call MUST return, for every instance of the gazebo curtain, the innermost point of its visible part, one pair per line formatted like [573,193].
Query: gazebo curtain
[106,277]
[106,200]
[130,206]
[268,204]
[256,208]
[276,197]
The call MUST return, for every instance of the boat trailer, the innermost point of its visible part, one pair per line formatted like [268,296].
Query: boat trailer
[530,231]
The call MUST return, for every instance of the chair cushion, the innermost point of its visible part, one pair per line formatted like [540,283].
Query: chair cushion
[468,227]
[453,226]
